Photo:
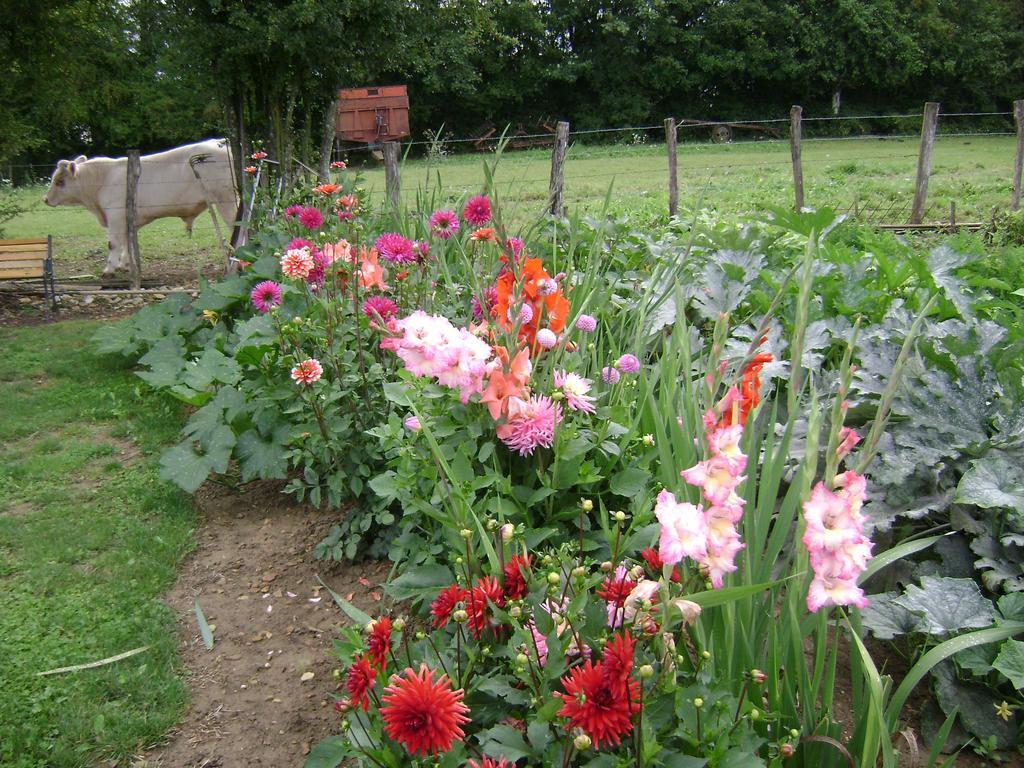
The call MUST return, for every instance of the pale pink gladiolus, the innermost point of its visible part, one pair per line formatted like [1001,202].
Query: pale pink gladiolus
[683,529]
[848,438]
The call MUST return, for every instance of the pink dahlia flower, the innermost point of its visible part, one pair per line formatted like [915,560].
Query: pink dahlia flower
[292,211]
[546,338]
[515,247]
[610,375]
[444,223]
[380,305]
[266,295]
[575,389]
[311,218]
[477,210]
[530,424]
[297,263]
[628,364]
[586,323]
[307,372]
[395,248]
[490,298]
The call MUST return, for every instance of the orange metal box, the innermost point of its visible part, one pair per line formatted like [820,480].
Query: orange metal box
[372,115]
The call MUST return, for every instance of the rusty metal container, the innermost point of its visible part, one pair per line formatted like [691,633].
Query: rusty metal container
[372,115]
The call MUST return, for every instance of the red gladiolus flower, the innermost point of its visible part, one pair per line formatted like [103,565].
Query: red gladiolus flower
[489,762]
[486,591]
[445,602]
[361,676]
[655,563]
[595,703]
[423,715]
[515,578]
[378,644]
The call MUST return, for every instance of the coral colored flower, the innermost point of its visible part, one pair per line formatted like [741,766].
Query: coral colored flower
[683,529]
[445,602]
[307,372]
[339,251]
[423,715]
[514,575]
[586,323]
[395,248]
[378,644]
[266,295]
[361,676]
[311,218]
[530,424]
[523,289]
[484,235]
[478,606]
[371,273]
[412,424]
[326,189]
[489,762]
[506,380]
[444,223]
[348,202]
[250,169]
[597,704]
[628,364]
[258,155]
[610,375]
[477,210]
[546,338]
[297,263]
[380,306]
[575,389]
[338,165]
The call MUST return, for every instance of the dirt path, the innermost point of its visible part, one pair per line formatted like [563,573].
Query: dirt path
[262,696]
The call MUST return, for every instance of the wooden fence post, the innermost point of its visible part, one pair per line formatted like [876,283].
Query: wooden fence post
[673,177]
[556,189]
[392,177]
[132,244]
[795,129]
[1018,116]
[924,160]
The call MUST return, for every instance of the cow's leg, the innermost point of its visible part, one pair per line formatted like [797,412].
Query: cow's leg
[227,210]
[117,239]
[188,223]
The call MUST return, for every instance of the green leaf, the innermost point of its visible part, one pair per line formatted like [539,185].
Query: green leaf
[898,552]
[714,597]
[992,481]
[886,618]
[328,753]
[1012,606]
[1010,662]
[204,628]
[184,467]
[420,581]
[976,705]
[267,459]
[948,605]
[398,393]
[358,617]
[504,740]
[629,482]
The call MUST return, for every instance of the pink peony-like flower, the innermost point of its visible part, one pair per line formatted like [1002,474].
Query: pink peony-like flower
[575,389]
[380,306]
[311,218]
[540,643]
[292,211]
[266,295]
[444,223]
[546,338]
[422,250]
[530,424]
[477,210]
[307,372]
[684,531]
[395,248]
[297,263]
[610,375]
[586,323]
[628,364]
[490,297]
[338,165]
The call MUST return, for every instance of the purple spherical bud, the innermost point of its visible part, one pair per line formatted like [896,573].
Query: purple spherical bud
[586,323]
[546,338]
[547,287]
[628,364]
[610,375]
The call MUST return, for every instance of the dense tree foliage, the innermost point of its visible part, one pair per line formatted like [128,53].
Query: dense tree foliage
[100,76]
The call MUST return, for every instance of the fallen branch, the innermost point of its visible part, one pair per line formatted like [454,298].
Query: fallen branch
[94,664]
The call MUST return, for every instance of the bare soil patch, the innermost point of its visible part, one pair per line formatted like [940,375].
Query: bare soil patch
[263,695]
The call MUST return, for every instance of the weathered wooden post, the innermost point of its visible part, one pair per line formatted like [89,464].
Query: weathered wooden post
[392,177]
[795,128]
[924,160]
[1018,116]
[134,255]
[556,189]
[673,177]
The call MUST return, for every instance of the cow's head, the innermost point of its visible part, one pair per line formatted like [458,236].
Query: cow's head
[64,183]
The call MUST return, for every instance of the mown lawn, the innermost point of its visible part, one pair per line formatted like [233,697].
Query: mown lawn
[89,540]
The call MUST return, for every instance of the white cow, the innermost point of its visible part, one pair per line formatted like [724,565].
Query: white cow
[167,188]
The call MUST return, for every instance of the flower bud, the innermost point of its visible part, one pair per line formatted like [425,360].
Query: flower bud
[466,534]
[341,705]
[646,672]
[421,635]
[522,659]
[369,627]
[515,611]
[558,395]
[698,702]
[755,714]
[459,561]
[705,655]
[794,733]
[606,566]
[486,650]
[757,676]
[556,617]
[787,750]
[579,572]
[554,578]
[648,440]
[620,516]
[398,624]
[581,742]
[344,725]
[587,505]
[337,674]
[492,524]
[460,616]
[507,532]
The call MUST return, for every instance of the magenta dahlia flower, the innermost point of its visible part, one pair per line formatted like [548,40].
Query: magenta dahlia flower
[292,211]
[266,295]
[311,218]
[395,248]
[628,364]
[444,223]
[477,210]
[380,305]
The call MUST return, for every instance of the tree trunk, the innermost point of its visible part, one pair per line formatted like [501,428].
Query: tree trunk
[327,141]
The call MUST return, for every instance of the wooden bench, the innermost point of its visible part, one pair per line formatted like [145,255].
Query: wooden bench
[30,259]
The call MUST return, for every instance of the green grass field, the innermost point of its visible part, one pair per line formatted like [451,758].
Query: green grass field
[974,172]
[90,539]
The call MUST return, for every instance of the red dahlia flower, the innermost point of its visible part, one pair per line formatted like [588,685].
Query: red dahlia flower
[618,658]
[378,645]
[616,589]
[656,564]
[361,676]
[595,704]
[445,602]
[490,762]
[486,591]
[423,715]
[477,210]
[515,576]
